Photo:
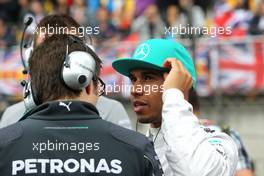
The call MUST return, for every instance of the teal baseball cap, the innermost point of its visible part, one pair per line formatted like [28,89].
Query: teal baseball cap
[152,54]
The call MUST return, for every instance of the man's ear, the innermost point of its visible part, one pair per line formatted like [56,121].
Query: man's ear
[40,38]
[186,95]
[88,89]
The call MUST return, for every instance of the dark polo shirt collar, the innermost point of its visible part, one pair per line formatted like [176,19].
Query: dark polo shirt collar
[63,110]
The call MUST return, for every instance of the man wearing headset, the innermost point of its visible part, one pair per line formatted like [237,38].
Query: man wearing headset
[110,110]
[161,73]
[64,134]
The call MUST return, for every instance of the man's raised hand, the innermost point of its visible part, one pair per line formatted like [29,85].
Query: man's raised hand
[178,77]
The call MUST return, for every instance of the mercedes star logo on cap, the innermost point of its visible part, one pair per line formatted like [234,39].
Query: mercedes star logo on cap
[142,51]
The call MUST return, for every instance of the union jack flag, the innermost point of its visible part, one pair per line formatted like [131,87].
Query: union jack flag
[241,66]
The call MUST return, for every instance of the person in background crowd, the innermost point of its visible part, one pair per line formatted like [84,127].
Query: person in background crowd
[190,14]
[62,7]
[141,6]
[24,10]
[124,16]
[173,21]
[79,12]
[257,22]
[33,9]
[36,8]
[108,31]
[149,25]
[7,37]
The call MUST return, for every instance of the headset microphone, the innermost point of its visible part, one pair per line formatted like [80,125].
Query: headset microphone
[27,22]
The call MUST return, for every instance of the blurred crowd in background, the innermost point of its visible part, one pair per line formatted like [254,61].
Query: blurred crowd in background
[116,26]
[119,19]
[225,63]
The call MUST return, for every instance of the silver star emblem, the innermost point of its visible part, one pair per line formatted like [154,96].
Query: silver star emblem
[142,51]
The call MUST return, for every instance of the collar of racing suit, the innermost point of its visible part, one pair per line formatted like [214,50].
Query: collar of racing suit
[63,110]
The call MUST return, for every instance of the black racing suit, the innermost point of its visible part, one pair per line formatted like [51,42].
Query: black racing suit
[69,138]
